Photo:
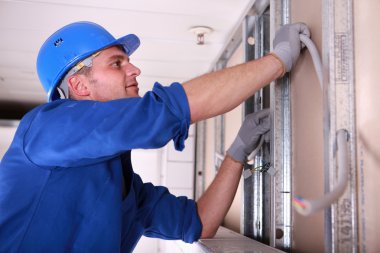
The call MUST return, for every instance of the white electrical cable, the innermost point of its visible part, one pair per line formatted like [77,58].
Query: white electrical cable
[248,172]
[306,206]
[312,206]
[314,56]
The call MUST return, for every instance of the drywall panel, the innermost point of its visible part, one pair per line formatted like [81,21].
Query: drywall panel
[307,131]
[233,121]
[210,152]
[367,62]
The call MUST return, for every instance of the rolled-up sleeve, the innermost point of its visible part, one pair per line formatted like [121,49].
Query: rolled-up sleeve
[180,106]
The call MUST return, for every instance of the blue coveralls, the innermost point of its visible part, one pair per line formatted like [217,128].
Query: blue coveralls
[61,179]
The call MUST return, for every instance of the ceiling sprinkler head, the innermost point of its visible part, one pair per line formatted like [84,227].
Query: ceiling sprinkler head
[200,32]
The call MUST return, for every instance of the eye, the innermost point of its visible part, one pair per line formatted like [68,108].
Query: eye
[117,63]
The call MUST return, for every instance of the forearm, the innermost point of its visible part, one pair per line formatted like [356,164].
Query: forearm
[215,202]
[219,92]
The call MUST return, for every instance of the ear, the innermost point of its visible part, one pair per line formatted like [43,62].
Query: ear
[78,86]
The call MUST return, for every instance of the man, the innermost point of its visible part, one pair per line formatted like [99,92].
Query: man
[67,182]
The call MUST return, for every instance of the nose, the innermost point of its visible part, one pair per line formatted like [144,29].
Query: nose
[132,70]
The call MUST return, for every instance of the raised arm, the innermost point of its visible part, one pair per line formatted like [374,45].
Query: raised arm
[219,92]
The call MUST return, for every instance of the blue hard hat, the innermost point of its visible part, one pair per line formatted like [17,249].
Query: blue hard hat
[72,44]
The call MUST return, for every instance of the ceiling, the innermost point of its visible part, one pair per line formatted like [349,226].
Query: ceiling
[168,50]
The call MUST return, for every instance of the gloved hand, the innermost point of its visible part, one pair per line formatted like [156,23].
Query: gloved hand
[254,126]
[287,44]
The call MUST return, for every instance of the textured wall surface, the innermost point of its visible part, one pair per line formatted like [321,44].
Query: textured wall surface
[367,52]
[307,131]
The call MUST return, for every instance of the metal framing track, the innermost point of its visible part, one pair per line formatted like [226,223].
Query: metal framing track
[200,151]
[255,222]
[281,144]
[270,193]
[341,220]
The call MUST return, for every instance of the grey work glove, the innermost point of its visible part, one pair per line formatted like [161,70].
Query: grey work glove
[254,126]
[287,44]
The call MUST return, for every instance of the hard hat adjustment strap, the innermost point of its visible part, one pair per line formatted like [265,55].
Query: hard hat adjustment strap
[62,94]
[63,88]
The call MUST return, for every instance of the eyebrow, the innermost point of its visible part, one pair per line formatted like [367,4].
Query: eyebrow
[118,56]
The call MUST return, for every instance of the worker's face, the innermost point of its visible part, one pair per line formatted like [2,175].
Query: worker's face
[112,76]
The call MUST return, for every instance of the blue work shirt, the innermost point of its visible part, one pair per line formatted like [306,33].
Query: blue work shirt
[61,179]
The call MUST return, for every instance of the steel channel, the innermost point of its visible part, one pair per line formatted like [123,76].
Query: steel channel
[281,145]
[341,219]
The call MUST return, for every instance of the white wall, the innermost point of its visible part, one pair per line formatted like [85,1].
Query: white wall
[147,163]
[7,131]
[307,132]
[367,62]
